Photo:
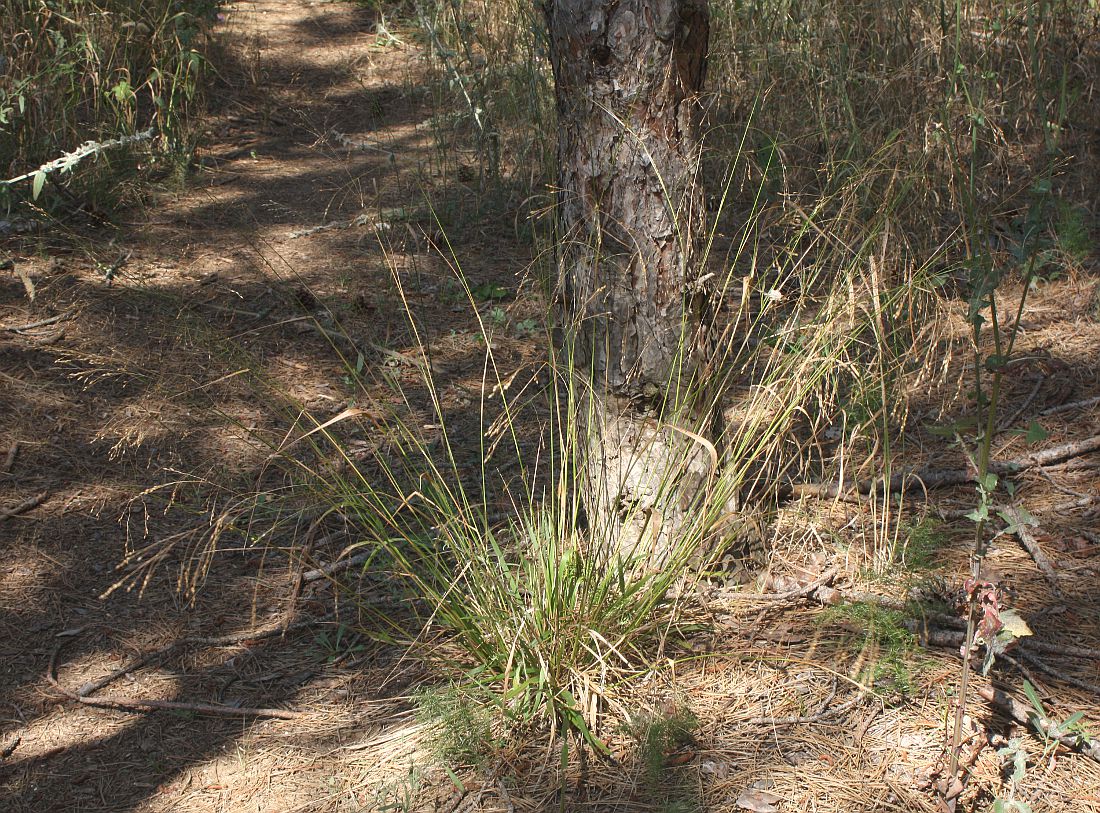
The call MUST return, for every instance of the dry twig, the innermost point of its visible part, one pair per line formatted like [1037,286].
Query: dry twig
[1028,716]
[800,592]
[1083,404]
[61,317]
[1031,545]
[82,695]
[26,505]
[9,461]
[927,478]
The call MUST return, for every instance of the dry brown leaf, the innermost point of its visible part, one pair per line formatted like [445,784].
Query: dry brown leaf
[757,800]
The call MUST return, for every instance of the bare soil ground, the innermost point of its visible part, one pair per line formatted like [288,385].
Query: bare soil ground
[133,388]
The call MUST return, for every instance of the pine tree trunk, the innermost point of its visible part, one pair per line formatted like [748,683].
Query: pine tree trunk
[631,213]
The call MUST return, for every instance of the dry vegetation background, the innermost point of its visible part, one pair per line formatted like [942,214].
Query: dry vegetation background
[343,200]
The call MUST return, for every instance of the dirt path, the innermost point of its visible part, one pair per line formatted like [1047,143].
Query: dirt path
[327,177]
[123,394]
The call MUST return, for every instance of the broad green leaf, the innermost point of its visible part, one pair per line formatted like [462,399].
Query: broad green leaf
[1026,517]
[1013,627]
[1036,433]
[122,91]
[1019,765]
[1073,719]
[37,184]
[979,514]
[1033,698]
[454,778]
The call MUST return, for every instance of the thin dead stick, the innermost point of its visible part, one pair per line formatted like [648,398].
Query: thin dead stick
[1080,502]
[1028,716]
[135,704]
[1027,402]
[26,505]
[332,568]
[925,479]
[1056,454]
[93,686]
[800,592]
[1023,533]
[9,461]
[824,713]
[1084,404]
[61,317]
[952,639]
[1091,688]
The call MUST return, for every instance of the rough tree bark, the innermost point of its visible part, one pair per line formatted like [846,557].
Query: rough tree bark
[628,74]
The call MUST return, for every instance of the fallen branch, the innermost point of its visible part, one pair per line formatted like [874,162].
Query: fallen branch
[799,592]
[136,704]
[1027,716]
[9,461]
[1056,454]
[1091,688]
[1083,404]
[928,478]
[332,568]
[52,320]
[953,639]
[23,507]
[252,636]
[1022,532]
